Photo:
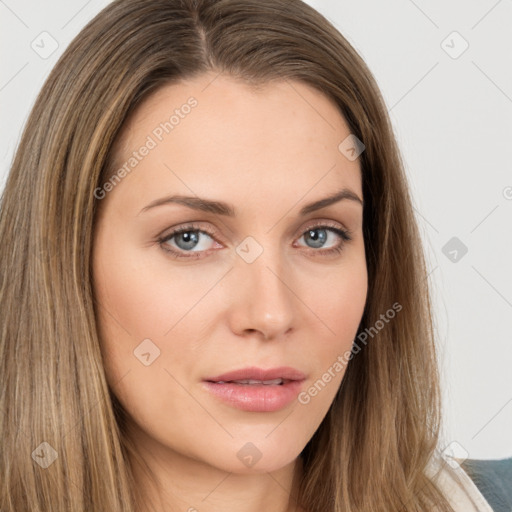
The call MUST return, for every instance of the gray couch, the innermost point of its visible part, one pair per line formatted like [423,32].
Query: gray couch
[494,480]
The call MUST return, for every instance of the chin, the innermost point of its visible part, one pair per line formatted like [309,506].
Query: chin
[255,457]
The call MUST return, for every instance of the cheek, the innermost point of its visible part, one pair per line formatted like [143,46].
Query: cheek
[341,300]
[141,301]
[145,293]
[137,305]
[338,298]
[338,306]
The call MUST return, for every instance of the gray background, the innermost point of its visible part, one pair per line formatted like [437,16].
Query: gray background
[452,113]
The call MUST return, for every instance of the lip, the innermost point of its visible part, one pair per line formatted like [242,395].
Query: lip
[283,372]
[257,397]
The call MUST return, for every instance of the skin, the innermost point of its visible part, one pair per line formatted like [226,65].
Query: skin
[266,152]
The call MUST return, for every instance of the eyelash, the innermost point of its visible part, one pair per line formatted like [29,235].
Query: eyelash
[344,234]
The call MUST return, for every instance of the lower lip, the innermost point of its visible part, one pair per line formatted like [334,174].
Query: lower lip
[254,397]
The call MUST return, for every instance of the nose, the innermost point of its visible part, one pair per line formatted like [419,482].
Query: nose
[262,298]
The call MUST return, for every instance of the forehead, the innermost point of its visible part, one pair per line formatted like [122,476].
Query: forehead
[215,131]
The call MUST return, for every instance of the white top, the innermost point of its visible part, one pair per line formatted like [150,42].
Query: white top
[461,491]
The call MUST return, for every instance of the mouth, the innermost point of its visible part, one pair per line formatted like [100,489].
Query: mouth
[256,390]
[252,382]
[254,375]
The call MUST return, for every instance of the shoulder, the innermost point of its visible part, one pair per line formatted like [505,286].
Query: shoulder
[457,486]
[493,479]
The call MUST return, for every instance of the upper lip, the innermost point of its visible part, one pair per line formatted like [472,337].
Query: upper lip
[253,373]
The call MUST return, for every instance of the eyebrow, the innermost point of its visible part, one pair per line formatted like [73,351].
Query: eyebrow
[221,208]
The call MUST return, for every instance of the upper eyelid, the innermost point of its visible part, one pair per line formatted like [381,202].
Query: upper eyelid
[195,226]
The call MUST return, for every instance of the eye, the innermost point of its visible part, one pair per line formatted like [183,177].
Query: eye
[190,241]
[185,239]
[319,235]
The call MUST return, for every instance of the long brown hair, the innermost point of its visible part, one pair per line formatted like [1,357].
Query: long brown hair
[373,447]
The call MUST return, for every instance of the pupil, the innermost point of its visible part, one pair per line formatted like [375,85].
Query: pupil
[320,239]
[190,238]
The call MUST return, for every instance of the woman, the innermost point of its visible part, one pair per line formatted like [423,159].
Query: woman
[216,292]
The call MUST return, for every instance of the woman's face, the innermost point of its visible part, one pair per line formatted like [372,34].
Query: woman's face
[258,281]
